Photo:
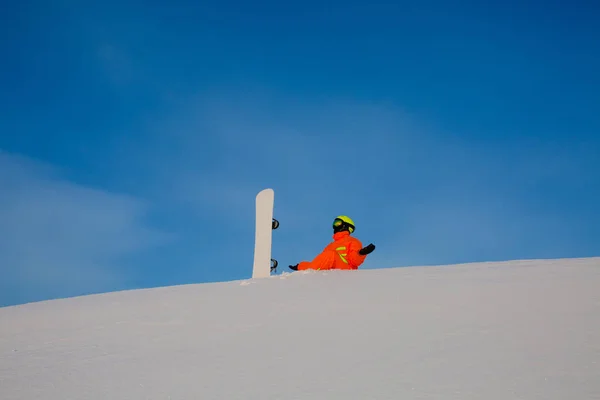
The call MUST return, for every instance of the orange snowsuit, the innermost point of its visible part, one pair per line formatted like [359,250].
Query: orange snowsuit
[342,253]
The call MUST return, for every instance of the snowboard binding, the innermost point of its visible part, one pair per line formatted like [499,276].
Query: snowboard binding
[274,264]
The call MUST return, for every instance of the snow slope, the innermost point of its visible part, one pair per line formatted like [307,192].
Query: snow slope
[515,330]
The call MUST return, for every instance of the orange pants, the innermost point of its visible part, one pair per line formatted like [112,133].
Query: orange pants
[324,261]
[332,259]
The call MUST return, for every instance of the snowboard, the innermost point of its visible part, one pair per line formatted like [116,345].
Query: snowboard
[263,239]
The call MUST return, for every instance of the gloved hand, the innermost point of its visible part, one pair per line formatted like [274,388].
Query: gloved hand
[367,249]
[294,267]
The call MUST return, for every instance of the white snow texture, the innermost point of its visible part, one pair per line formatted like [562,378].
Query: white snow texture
[493,331]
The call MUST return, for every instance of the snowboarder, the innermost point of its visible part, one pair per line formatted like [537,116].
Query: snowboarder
[345,252]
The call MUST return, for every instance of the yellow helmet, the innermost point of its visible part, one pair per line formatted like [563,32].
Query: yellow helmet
[343,222]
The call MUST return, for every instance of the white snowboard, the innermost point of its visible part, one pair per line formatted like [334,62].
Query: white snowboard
[265,224]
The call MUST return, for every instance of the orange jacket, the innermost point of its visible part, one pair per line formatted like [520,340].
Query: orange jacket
[342,253]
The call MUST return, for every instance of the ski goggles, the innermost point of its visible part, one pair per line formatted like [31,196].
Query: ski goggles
[338,222]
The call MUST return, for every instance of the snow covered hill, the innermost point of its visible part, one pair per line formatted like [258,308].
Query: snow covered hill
[514,330]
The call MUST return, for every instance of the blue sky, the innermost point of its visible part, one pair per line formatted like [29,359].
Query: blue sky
[135,135]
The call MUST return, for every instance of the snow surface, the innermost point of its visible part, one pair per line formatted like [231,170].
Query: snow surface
[515,330]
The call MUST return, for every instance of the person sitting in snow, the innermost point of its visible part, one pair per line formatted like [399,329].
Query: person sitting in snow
[345,252]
